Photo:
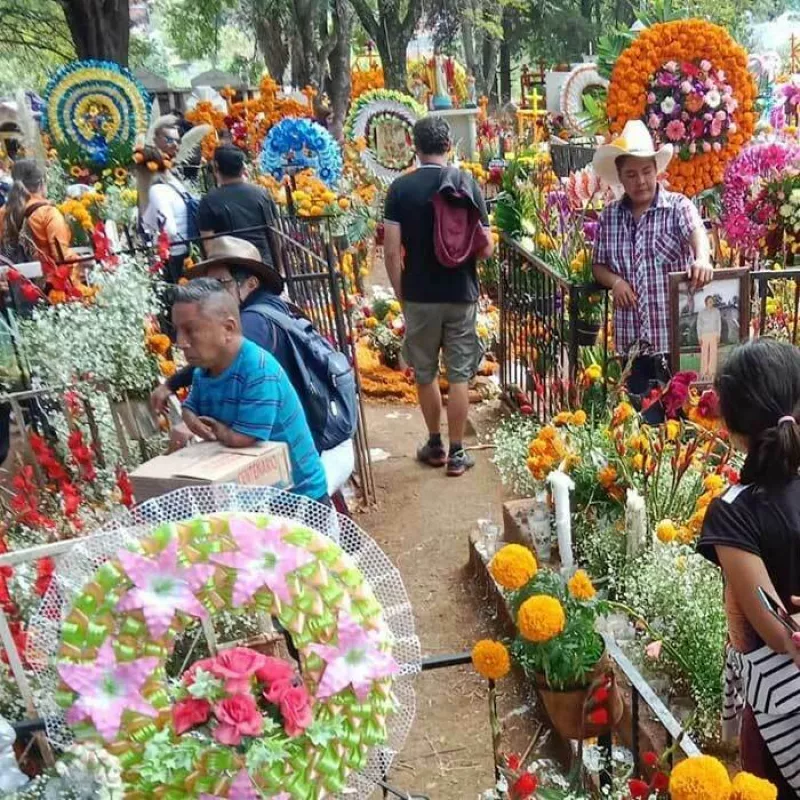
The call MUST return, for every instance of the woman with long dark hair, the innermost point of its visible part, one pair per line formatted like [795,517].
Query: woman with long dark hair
[31,227]
[753,533]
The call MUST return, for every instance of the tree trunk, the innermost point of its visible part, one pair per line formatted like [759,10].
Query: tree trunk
[99,28]
[273,44]
[304,21]
[392,48]
[505,59]
[339,61]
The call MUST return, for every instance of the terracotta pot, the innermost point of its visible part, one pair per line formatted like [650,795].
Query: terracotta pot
[566,708]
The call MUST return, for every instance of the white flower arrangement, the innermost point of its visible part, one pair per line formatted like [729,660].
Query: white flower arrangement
[102,341]
[511,442]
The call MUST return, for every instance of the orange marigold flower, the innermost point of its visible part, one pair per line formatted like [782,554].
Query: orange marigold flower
[513,566]
[491,659]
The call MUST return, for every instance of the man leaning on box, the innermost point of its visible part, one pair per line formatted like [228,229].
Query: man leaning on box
[240,394]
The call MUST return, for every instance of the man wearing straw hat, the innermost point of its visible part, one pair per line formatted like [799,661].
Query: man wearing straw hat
[642,238]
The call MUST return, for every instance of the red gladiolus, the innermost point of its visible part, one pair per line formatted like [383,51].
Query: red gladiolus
[125,488]
[660,782]
[513,761]
[29,292]
[600,695]
[638,789]
[13,275]
[44,574]
[649,759]
[598,717]
[524,786]
[72,499]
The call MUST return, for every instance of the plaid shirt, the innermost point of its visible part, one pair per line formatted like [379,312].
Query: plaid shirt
[643,253]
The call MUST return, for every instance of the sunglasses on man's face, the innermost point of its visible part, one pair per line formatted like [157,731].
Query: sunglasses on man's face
[171,140]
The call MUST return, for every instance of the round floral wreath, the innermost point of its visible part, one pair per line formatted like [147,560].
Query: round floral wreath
[583,77]
[372,107]
[748,207]
[304,144]
[123,626]
[95,106]
[680,77]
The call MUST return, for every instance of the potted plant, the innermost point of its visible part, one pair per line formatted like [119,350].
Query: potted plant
[557,644]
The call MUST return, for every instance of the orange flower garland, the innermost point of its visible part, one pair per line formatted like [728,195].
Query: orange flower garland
[684,40]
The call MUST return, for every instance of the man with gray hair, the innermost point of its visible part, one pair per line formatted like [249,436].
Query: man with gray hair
[240,395]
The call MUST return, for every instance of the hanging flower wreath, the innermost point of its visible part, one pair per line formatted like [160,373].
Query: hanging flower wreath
[582,78]
[689,81]
[238,722]
[297,143]
[750,206]
[95,109]
[373,110]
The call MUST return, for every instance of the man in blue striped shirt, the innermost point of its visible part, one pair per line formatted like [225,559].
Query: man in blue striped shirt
[240,394]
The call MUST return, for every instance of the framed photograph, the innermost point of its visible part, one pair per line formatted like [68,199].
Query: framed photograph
[708,323]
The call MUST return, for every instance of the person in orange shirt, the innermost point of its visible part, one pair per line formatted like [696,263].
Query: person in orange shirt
[30,227]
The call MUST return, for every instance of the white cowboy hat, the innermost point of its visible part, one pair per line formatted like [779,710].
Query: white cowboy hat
[636,141]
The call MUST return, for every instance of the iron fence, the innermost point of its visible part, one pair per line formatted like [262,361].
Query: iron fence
[541,330]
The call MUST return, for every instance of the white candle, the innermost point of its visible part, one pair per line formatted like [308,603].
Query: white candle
[562,484]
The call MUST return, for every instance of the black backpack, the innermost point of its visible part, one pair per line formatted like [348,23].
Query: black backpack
[327,384]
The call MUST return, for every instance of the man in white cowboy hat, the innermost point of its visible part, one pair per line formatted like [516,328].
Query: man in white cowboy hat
[642,238]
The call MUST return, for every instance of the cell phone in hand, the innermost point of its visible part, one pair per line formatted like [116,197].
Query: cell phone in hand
[777,611]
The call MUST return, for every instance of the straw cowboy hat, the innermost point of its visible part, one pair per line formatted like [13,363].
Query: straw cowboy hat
[636,141]
[232,252]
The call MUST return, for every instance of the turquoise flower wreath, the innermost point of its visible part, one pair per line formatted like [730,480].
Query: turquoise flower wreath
[300,143]
[93,110]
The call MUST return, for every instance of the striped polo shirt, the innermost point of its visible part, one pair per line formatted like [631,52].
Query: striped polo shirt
[254,397]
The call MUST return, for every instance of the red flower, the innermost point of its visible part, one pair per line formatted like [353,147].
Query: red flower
[524,786]
[295,708]
[204,664]
[600,695]
[708,407]
[44,574]
[638,789]
[274,669]
[677,393]
[29,292]
[72,499]
[125,488]
[278,689]
[186,714]
[237,667]
[660,782]
[513,761]
[238,716]
[649,759]
[598,717]
[13,275]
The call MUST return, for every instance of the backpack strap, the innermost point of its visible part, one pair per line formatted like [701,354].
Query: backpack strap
[34,207]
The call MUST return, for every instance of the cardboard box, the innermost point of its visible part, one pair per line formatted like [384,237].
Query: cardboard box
[265,464]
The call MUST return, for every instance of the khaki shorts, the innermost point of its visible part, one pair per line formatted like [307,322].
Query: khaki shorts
[448,328]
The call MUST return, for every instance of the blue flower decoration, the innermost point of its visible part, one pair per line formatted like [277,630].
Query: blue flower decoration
[307,144]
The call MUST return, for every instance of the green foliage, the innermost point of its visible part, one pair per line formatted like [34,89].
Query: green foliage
[567,660]
[511,441]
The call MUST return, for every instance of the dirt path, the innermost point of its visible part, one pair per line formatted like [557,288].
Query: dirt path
[422,521]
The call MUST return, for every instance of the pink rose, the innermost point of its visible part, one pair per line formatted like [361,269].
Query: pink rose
[717,147]
[204,664]
[651,98]
[274,669]
[237,667]
[654,122]
[277,690]
[188,713]
[706,147]
[238,716]
[716,127]
[296,710]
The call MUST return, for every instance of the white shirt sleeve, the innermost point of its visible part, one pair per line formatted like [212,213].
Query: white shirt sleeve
[160,210]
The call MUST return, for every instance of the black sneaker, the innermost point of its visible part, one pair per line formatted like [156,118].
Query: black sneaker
[432,455]
[458,463]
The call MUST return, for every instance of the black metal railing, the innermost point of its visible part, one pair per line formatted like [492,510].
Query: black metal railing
[541,330]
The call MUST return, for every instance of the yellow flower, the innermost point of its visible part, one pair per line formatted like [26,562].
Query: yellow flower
[513,566]
[593,373]
[75,171]
[395,307]
[581,587]
[579,418]
[562,418]
[703,501]
[666,531]
[714,483]
[673,430]
[638,462]
[370,322]
[166,367]
[541,618]
[748,787]
[490,659]
[699,778]
[537,447]
[685,535]
[548,433]
[622,413]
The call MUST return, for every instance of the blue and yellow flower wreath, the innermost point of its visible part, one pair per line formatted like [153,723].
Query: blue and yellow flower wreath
[301,143]
[96,107]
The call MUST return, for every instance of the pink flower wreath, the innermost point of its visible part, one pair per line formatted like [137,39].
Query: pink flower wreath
[748,205]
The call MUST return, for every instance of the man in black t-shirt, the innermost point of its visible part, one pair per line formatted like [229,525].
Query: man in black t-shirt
[439,303]
[236,204]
